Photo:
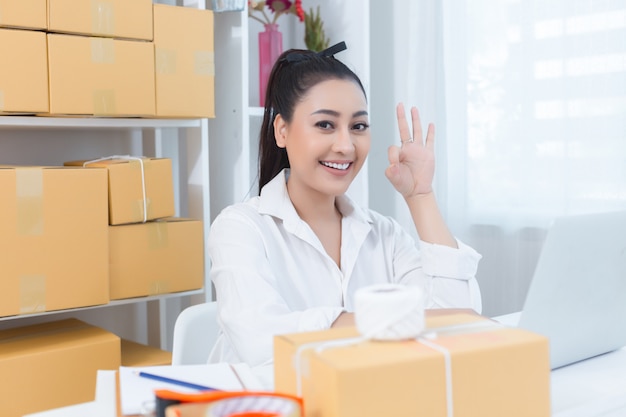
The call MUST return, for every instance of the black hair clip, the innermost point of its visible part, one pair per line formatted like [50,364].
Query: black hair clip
[326,53]
[332,50]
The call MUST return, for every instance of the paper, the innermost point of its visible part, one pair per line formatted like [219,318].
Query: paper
[136,391]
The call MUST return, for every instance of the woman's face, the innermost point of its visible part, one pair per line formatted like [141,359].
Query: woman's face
[328,138]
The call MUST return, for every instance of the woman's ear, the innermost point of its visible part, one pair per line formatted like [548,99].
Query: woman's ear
[280,131]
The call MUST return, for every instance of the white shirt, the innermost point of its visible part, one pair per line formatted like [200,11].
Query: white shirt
[272,275]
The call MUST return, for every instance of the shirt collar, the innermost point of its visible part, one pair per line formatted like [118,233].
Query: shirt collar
[275,201]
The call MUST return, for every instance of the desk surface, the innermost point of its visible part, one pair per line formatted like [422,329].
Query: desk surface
[595,387]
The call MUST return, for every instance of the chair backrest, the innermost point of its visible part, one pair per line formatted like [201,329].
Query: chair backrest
[195,333]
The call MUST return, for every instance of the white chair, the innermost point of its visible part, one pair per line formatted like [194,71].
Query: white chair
[195,333]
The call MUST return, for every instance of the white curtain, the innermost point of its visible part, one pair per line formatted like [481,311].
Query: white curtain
[529,100]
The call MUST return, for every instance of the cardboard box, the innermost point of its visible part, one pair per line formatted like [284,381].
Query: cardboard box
[100,76]
[24,72]
[131,19]
[185,61]
[28,14]
[127,178]
[137,354]
[53,239]
[53,365]
[495,372]
[161,256]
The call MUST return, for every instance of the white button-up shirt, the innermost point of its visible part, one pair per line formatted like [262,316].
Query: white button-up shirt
[272,275]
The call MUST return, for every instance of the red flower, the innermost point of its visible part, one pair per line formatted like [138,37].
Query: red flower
[277,7]
[299,10]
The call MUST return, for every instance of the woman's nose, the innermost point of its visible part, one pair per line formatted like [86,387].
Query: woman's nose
[343,141]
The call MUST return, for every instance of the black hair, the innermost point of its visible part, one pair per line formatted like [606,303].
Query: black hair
[295,72]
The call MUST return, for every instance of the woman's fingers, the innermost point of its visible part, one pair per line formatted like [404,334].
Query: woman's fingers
[403,124]
[430,137]
[417,125]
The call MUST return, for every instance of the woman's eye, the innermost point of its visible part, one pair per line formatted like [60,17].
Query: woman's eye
[360,126]
[324,125]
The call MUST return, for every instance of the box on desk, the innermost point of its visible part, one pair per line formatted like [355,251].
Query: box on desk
[53,365]
[54,244]
[28,14]
[157,257]
[23,72]
[128,178]
[184,61]
[494,372]
[131,19]
[94,76]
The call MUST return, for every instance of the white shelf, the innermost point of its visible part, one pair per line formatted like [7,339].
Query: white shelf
[36,122]
[112,303]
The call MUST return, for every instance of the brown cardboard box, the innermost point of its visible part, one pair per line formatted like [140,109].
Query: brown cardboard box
[185,61]
[53,239]
[28,14]
[100,76]
[23,72]
[131,19]
[495,372]
[53,365]
[137,354]
[126,191]
[161,256]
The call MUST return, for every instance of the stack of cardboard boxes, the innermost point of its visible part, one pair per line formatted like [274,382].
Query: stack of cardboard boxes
[150,252]
[82,235]
[75,236]
[113,58]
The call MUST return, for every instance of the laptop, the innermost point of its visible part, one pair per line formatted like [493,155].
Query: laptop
[577,297]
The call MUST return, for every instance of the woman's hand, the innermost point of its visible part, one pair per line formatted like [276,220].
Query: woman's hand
[412,164]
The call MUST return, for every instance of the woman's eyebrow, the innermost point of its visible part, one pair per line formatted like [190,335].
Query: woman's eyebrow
[336,113]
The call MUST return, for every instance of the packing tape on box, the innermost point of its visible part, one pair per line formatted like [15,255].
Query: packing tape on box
[32,294]
[377,319]
[227,404]
[29,193]
[102,17]
[158,287]
[102,50]
[103,102]
[165,61]
[158,234]
[204,63]
[144,202]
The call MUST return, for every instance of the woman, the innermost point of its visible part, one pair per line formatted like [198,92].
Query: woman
[291,259]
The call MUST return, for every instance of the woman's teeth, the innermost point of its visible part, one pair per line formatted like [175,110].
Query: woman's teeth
[335,165]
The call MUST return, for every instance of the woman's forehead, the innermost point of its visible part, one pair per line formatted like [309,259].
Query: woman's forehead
[336,94]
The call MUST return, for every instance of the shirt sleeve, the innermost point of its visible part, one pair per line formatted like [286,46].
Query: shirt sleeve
[448,275]
[251,309]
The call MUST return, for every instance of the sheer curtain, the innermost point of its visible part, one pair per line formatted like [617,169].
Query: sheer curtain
[529,98]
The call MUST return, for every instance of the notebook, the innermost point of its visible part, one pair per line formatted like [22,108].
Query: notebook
[577,297]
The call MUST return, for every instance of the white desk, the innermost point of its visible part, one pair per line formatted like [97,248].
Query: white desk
[595,387]
[592,388]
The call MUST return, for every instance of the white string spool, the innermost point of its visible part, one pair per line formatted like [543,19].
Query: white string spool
[389,311]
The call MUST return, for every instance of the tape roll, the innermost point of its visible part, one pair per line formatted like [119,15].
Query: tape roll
[248,405]
[389,311]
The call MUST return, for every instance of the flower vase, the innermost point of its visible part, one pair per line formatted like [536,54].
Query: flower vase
[270,47]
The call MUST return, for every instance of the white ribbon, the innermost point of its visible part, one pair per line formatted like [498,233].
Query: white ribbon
[143,178]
